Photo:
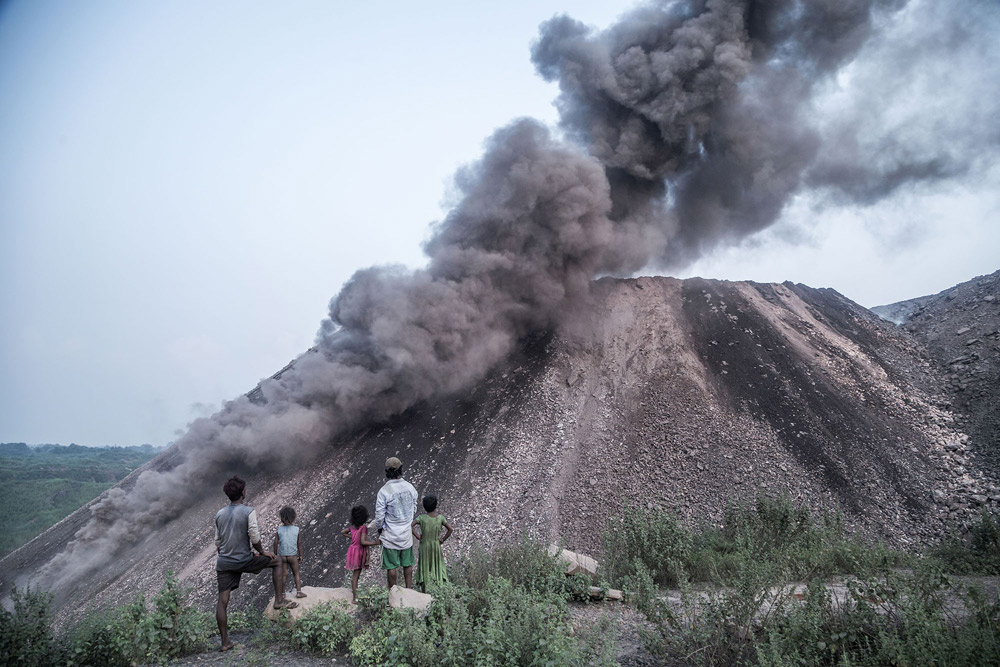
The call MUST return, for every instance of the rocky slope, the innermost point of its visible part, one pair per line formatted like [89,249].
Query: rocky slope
[682,395]
[960,328]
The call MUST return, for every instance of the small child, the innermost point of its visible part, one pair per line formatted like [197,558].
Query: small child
[357,553]
[288,548]
[430,565]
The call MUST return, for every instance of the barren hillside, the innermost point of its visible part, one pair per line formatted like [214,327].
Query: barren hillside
[687,394]
[961,329]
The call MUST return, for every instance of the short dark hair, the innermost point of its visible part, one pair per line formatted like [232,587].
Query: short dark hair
[286,514]
[359,516]
[394,473]
[234,488]
[430,502]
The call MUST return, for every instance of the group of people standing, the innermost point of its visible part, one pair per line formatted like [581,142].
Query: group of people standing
[237,535]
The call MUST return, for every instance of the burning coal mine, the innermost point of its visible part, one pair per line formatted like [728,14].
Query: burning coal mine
[687,125]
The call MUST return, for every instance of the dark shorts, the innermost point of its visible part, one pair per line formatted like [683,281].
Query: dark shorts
[230,579]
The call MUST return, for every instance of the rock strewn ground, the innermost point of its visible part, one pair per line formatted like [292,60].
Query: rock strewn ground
[961,329]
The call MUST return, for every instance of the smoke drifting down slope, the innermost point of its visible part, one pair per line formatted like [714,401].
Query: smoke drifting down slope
[696,119]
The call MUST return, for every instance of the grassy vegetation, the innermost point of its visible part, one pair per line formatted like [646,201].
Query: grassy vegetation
[483,618]
[41,485]
[511,606]
[893,609]
[136,634]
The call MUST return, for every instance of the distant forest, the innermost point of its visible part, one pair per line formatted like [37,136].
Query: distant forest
[39,485]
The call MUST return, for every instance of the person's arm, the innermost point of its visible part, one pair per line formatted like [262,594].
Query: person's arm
[218,536]
[413,528]
[298,544]
[346,533]
[253,532]
[448,533]
[275,547]
[379,510]
[367,541]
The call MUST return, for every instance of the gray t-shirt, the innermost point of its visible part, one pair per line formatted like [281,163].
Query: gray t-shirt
[235,530]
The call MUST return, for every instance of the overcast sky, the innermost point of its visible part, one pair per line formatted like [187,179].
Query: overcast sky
[185,185]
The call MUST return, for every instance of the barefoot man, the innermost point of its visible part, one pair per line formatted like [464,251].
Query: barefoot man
[235,532]
[394,509]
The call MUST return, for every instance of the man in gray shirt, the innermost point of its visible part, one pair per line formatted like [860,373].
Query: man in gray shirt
[235,532]
[395,506]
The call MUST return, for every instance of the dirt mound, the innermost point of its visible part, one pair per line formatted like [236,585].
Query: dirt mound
[663,393]
[961,329]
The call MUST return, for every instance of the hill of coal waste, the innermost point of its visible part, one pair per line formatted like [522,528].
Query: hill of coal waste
[961,329]
[677,394]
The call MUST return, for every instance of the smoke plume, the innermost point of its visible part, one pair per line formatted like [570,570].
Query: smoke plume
[690,124]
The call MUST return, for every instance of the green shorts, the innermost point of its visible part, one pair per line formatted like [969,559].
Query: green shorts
[395,558]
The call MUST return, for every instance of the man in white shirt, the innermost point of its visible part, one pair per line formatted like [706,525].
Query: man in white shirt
[394,509]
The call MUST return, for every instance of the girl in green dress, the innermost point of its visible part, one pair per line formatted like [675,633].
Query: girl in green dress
[427,529]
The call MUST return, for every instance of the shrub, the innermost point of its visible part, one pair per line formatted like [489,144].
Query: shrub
[104,637]
[26,632]
[979,553]
[649,541]
[640,543]
[325,629]
[136,634]
[525,563]
[778,529]
[502,622]
[520,628]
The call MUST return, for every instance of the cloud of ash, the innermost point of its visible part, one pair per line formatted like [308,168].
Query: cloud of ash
[699,122]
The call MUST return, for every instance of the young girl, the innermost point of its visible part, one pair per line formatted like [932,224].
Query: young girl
[430,565]
[288,548]
[357,553]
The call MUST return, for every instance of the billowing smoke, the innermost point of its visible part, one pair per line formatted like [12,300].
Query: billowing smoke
[698,122]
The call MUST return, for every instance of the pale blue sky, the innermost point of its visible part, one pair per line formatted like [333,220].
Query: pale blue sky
[184,185]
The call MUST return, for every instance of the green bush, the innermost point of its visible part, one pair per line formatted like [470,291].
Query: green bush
[518,627]
[26,631]
[653,543]
[647,541]
[172,628]
[779,530]
[103,637]
[136,634]
[324,629]
[895,619]
[979,553]
[525,563]
[499,621]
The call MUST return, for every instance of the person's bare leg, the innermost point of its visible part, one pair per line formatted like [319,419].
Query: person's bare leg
[223,620]
[390,577]
[354,584]
[293,561]
[408,576]
[278,578]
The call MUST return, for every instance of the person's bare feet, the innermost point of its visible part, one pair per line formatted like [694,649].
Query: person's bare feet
[227,647]
[300,594]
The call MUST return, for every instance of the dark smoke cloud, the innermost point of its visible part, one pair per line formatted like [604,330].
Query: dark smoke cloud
[699,121]
[704,106]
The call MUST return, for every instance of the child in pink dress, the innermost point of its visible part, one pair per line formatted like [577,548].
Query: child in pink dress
[357,553]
